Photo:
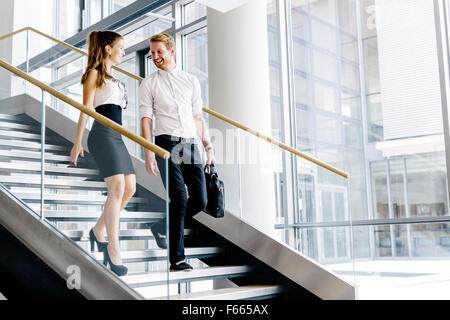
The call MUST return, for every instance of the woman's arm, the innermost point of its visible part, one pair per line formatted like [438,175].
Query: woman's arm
[89,87]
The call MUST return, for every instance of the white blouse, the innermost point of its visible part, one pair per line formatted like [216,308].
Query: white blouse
[112,92]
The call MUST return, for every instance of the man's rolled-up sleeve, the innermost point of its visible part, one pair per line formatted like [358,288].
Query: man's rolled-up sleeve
[145,100]
[197,102]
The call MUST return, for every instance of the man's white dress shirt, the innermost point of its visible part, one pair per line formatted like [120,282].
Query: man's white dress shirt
[171,100]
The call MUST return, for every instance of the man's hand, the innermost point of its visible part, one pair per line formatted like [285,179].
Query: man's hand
[210,157]
[151,165]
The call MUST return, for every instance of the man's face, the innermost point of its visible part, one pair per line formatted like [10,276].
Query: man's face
[162,57]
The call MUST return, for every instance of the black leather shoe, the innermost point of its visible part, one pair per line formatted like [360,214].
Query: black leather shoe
[182,266]
[120,270]
[101,246]
[160,242]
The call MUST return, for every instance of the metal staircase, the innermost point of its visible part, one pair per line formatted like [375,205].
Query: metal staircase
[74,197]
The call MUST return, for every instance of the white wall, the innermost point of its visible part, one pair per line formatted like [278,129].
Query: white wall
[39,15]
[6,26]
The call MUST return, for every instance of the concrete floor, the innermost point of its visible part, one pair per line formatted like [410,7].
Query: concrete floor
[398,279]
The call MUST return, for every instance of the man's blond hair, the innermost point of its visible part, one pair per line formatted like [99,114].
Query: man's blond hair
[165,38]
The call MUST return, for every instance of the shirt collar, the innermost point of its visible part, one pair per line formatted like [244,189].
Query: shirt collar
[173,72]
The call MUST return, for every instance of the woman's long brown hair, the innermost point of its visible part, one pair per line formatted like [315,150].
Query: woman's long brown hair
[97,41]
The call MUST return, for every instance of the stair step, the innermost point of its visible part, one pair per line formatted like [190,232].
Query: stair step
[19,135]
[32,155]
[69,198]
[130,234]
[35,181]
[29,145]
[10,117]
[208,273]
[18,126]
[237,293]
[161,254]
[89,216]
[36,166]
[19,170]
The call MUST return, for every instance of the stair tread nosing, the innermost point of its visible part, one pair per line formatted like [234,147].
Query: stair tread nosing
[160,253]
[35,166]
[55,214]
[24,135]
[148,278]
[71,197]
[33,155]
[30,144]
[83,235]
[243,292]
[13,125]
[36,180]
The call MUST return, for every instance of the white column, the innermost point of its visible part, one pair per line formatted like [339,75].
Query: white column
[239,87]
[6,26]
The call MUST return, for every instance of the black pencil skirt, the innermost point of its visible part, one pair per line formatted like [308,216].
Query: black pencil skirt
[107,146]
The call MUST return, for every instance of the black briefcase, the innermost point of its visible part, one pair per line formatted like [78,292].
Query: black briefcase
[216,193]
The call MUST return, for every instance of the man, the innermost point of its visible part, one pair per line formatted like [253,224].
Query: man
[172,99]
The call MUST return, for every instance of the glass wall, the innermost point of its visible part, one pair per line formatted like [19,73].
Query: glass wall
[411,180]
[355,88]
[145,32]
[328,104]
[120,4]
[196,59]
[371,70]
[68,18]
[192,11]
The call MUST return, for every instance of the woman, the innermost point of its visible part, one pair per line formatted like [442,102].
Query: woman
[107,95]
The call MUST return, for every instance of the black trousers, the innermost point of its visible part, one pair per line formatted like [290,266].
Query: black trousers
[185,169]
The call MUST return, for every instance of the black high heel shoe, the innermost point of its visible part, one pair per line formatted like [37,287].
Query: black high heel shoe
[120,270]
[101,246]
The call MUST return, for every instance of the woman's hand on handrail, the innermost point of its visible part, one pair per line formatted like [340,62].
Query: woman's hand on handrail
[150,163]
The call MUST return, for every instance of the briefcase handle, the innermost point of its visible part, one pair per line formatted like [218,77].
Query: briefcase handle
[211,169]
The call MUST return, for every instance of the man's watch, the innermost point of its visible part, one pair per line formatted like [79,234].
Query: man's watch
[209,148]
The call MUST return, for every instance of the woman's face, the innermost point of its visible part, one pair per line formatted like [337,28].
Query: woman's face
[117,51]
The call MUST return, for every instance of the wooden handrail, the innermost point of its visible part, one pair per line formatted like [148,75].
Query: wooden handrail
[207,110]
[279,144]
[102,119]
[14,33]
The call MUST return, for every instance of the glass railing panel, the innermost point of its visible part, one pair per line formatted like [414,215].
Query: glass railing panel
[143,201]
[308,209]
[57,66]
[330,247]
[323,215]
[263,181]
[225,139]
[21,145]
[130,116]
[52,193]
